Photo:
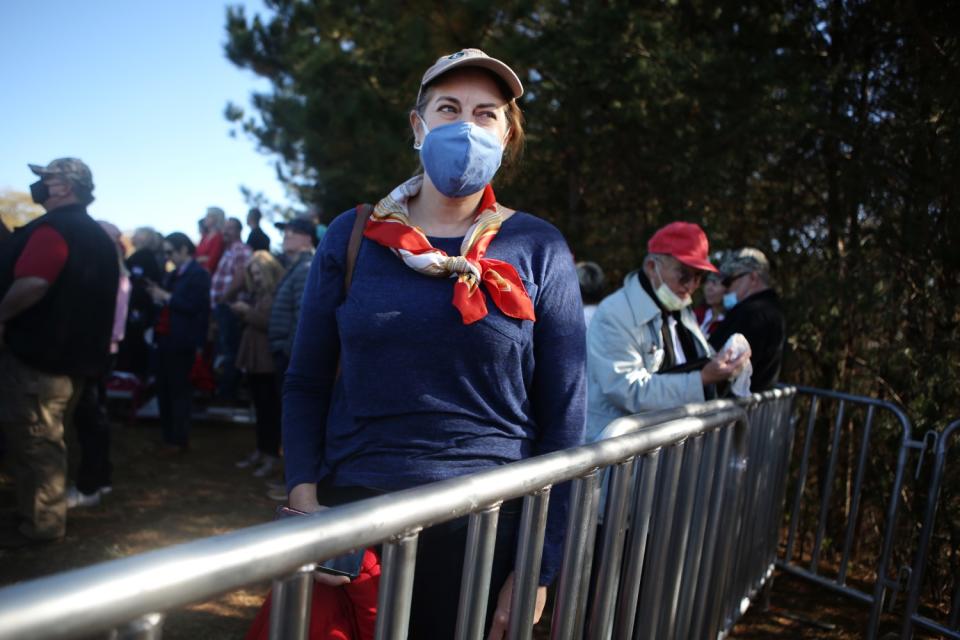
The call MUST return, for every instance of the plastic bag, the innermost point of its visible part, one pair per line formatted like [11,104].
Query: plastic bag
[735,346]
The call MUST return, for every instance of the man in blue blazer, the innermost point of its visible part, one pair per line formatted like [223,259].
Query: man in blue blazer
[181,332]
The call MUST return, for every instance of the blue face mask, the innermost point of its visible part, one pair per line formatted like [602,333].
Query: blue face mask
[460,158]
[729,300]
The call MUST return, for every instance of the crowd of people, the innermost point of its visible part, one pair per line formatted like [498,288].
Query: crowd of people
[433,334]
[172,316]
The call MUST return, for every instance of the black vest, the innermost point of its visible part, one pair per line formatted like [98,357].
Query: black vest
[68,331]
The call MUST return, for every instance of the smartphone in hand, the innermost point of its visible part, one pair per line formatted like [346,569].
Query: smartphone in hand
[346,565]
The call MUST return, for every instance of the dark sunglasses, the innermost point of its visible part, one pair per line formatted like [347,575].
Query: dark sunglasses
[689,275]
[729,280]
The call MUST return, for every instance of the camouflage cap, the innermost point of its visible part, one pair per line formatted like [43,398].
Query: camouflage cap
[745,260]
[73,170]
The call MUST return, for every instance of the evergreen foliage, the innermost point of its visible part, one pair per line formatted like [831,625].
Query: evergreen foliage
[823,133]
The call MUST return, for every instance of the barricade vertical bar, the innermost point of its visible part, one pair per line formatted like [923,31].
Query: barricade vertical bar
[733,498]
[879,587]
[148,627]
[626,611]
[827,489]
[771,458]
[290,608]
[567,622]
[398,564]
[477,564]
[784,446]
[683,513]
[708,579]
[745,554]
[768,485]
[585,584]
[855,503]
[801,478]
[533,522]
[611,552]
[692,565]
[651,594]
[926,534]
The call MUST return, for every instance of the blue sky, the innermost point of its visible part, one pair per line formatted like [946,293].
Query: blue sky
[137,89]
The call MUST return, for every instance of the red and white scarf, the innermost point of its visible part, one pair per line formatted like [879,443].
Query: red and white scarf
[389,225]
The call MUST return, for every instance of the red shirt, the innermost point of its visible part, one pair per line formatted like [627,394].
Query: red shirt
[44,256]
[211,246]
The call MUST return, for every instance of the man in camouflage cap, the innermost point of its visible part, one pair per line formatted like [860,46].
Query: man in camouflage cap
[753,309]
[62,172]
[58,288]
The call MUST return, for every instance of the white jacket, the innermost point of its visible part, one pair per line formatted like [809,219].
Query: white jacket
[624,353]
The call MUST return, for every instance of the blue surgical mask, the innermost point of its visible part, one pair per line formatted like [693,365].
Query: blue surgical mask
[460,158]
[729,300]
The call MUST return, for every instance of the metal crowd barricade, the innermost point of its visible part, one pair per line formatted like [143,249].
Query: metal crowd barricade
[683,513]
[789,561]
[911,616]
[690,534]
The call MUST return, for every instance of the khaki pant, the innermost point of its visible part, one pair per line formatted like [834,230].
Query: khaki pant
[33,405]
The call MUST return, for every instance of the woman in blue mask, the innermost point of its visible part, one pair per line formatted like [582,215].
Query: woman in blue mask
[457,346]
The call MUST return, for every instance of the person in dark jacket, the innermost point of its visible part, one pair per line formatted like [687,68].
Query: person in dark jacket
[180,332]
[298,235]
[144,267]
[257,240]
[49,269]
[753,309]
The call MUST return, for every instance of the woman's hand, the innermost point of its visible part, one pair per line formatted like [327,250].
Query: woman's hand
[303,497]
[160,296]
[501,617]
[240,307]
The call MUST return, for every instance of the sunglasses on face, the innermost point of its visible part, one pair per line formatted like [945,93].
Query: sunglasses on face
[684,275]
[729,280]
[687,276]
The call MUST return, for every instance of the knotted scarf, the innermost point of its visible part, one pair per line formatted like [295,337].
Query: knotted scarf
[389,225]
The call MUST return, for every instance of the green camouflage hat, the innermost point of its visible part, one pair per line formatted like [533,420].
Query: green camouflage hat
[745,260]
[73,170]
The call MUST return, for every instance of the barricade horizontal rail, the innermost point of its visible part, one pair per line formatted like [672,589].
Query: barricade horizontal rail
[131,591]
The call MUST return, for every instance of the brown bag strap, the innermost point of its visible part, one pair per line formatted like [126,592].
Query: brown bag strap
[353,247]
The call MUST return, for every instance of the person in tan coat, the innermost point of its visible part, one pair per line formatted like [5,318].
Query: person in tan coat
[263,273]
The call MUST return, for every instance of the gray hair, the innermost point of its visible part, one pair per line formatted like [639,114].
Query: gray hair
[218,215]
[747,260]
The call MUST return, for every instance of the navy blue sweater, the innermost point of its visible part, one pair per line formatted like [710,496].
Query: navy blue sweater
[421,396]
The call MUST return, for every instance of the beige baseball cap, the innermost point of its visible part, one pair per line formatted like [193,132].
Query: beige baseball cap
[472,58]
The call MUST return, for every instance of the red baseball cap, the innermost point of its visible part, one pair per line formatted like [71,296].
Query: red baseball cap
[684,241]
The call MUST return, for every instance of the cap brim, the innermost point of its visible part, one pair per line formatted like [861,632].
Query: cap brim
[280,225]
[499,68]
[702,265]
[39,169]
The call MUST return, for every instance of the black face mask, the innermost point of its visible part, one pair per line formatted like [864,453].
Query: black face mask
[40,191]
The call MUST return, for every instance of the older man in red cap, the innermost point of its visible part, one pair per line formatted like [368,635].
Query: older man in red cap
[645,350]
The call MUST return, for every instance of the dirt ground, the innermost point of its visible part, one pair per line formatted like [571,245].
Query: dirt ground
[159,502]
